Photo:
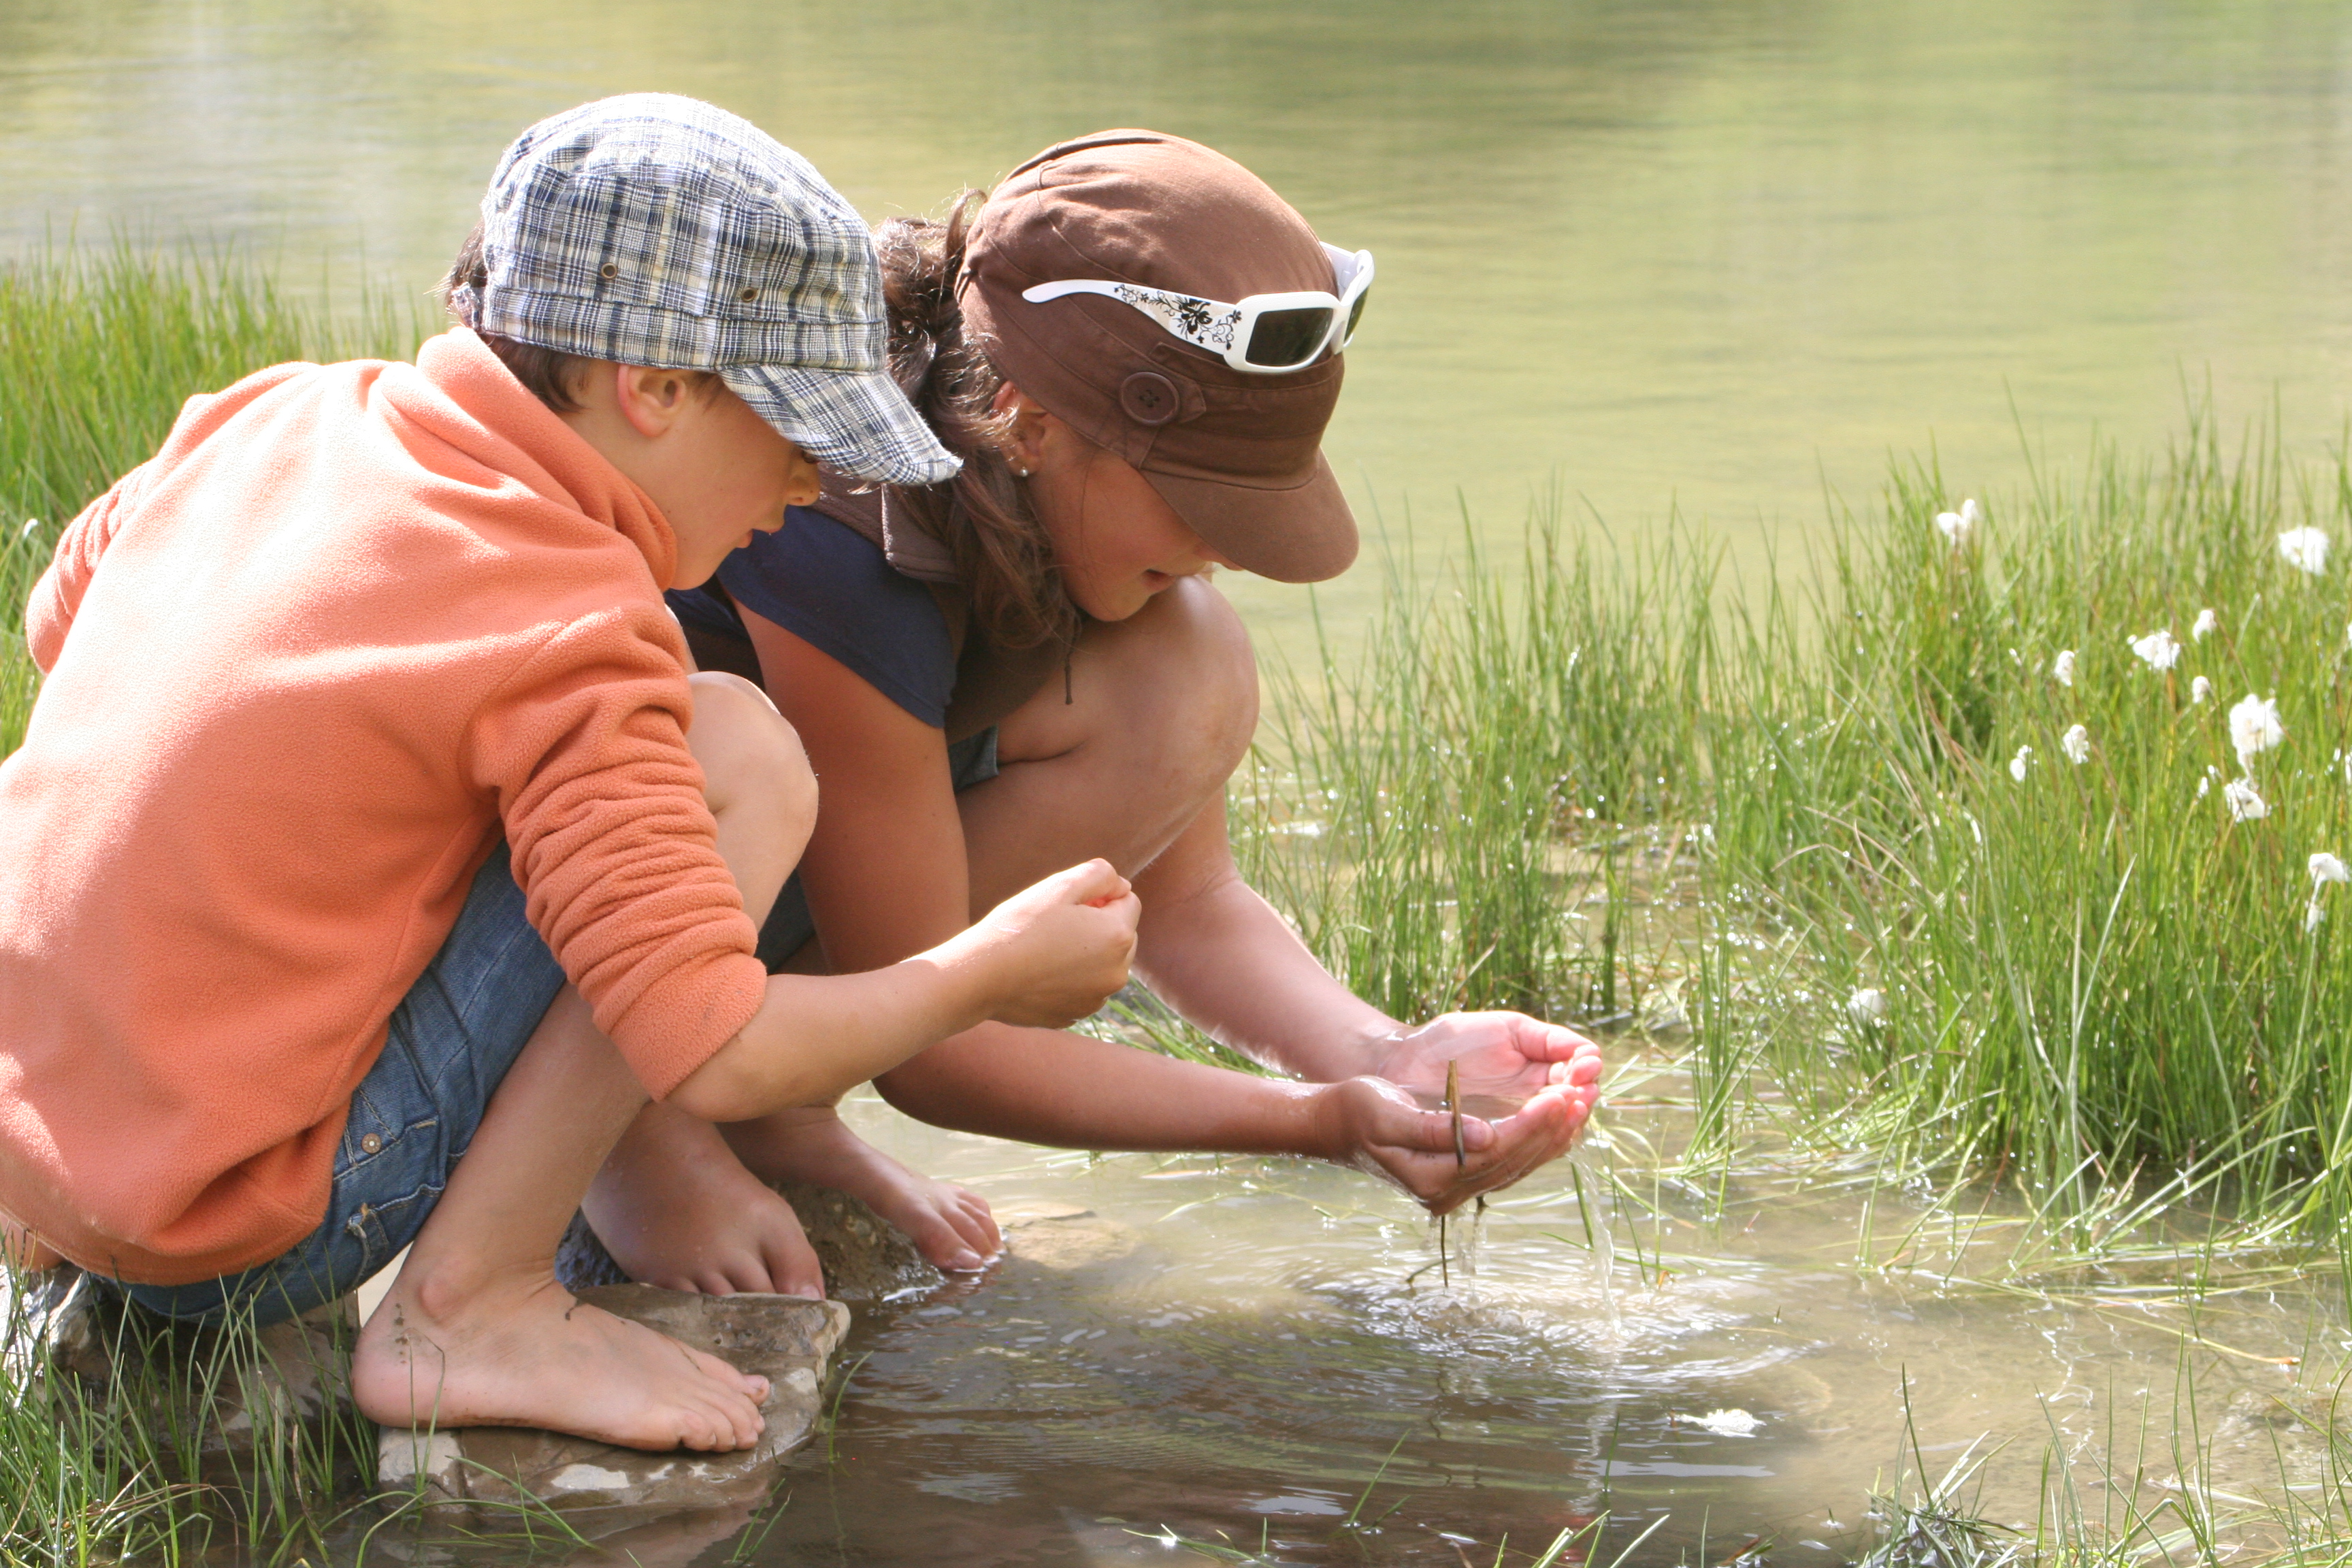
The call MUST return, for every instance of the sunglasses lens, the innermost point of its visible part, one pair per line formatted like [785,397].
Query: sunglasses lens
[1284,339]
[1355,314]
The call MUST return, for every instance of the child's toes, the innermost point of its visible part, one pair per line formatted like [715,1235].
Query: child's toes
[976,1222]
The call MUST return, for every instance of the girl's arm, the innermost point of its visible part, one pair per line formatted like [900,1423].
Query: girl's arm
[1212,948]
[886,875]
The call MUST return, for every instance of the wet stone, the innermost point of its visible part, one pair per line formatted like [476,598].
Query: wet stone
[1063,1237]
[603,1488]
[864,1257]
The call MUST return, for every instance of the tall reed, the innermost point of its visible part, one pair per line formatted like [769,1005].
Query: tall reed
[2076,975]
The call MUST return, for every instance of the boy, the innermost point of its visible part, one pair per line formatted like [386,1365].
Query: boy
[371,660]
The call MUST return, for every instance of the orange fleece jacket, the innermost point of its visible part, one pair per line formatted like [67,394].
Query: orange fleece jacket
[301,666]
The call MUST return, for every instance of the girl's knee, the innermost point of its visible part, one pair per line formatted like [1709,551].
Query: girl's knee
[1205,655]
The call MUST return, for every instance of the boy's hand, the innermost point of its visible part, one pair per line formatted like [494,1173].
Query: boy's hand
[1374,1126]
[1057,950]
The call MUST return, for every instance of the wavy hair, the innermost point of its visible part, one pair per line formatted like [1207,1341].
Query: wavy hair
[982,515]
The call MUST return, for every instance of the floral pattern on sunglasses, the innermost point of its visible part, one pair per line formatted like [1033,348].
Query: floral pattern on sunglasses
[1265,335]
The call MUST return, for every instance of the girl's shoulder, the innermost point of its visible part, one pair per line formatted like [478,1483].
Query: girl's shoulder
[829,585]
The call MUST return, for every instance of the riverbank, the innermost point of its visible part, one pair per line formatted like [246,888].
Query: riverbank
[1975,865]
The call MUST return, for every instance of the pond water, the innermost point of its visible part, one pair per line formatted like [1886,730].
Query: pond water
[1236,1352]
[1713,254]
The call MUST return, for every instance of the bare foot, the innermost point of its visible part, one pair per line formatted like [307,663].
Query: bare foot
[675,1208]
[951,1225]
[515,1349]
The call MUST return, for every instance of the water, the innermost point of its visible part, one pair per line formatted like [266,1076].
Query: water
[1699,254]
[1210,1350]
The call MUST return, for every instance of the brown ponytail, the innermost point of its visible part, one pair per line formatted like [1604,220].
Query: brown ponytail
[982,515]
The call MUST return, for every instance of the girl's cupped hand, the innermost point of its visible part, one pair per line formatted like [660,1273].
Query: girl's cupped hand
[1378,1126]
[1505,1058]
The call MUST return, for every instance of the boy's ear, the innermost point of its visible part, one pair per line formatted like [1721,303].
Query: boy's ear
[651,400]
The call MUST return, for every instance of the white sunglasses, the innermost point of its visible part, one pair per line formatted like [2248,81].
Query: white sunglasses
[1266,334]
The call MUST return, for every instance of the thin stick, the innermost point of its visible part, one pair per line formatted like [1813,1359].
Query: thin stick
[1454,1104]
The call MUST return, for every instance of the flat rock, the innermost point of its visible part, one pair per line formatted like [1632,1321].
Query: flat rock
[784,1338]
[1061,1235]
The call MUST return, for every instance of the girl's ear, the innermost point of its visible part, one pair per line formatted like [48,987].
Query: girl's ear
[1023,442]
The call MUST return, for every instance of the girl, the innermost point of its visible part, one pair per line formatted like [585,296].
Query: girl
[1134,345]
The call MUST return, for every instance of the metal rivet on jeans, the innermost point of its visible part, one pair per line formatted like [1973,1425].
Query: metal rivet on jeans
[371,1143]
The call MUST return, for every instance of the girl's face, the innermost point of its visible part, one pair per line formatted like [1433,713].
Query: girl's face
[1116,541]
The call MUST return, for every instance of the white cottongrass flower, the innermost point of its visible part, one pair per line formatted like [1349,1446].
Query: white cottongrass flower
[2158,649]
[2244,804]
[2076,743]
[2063,666]
[2255,727]
[2020,763]
[2207,622]
[2347,634]
[1868,1005]
[2325,869]
[1957,527]
[2304,549]
[2201,691]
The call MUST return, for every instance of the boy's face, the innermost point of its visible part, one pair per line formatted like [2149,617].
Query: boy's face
[718,471]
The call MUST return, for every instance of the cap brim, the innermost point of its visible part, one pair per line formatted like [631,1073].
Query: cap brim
[856,423]
[1303,534]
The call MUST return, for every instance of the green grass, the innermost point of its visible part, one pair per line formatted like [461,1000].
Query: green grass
[1566,791]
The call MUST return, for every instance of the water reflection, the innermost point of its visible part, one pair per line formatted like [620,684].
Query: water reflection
[1705,254]
[1231,1353]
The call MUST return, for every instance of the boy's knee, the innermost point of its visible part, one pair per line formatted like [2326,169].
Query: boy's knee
[746,747]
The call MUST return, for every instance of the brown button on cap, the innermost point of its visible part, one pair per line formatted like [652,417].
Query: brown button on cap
[1150,397]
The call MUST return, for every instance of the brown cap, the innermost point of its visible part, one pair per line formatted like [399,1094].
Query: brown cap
[1238,456]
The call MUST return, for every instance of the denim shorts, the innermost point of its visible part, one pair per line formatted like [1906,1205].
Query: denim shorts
[452,1039]
[789,927]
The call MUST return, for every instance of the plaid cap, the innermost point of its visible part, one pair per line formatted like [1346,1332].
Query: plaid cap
[657,230]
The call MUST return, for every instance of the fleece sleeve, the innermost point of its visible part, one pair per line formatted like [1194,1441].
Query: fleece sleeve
[614,844]
[50,613]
